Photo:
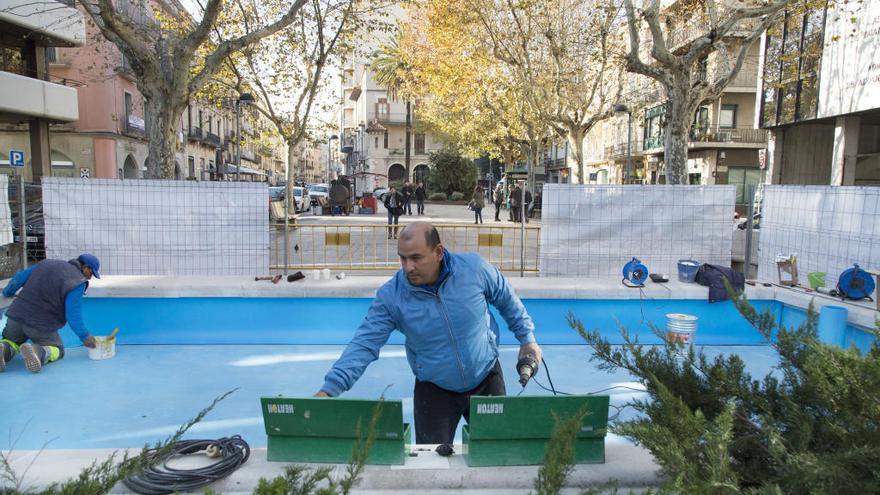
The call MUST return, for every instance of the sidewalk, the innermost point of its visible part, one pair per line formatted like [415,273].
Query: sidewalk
[427,472]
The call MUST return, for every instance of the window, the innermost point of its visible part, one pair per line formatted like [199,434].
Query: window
[51,55]
[376,142]
[192,166]
[201,122]
[382,109]
[655,126]
[420,143]
[727,118]
[386,140]
[742,177]
[127,106]
[793,51]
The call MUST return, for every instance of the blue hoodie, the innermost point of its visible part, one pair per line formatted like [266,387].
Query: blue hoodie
[451,337]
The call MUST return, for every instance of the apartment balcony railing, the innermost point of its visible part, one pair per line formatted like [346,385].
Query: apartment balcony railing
[196,133]
[212,139]
[619,150]
[250,156]
[393,117]
[135,126]
[710,134]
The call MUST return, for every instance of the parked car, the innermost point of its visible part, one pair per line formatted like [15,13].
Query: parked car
[379,193]
[299,196]
[317,191]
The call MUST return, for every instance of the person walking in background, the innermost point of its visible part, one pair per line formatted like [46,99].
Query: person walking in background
[407,198]
[394,204]
[510,203]
[420,195]
[51,296]
[516,203]
[478,202]
[498,200]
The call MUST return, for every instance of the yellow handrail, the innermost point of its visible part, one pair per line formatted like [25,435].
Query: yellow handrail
[369,248]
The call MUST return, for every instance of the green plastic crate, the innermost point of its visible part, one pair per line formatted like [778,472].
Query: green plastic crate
[325,429]
[513,431]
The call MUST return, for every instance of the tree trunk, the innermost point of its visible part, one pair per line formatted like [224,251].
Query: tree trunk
[576,158]
[675,156]
[163,139]
[408,133]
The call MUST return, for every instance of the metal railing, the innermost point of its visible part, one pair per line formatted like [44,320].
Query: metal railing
[709,134]
[619,150]
[368,247]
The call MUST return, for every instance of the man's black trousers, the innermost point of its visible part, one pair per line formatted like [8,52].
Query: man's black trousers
[437,410]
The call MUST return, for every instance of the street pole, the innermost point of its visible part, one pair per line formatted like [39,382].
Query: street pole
[23,218]
[629,170]
[237,140]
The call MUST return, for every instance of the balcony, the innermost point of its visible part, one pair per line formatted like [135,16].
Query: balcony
[738,135]
[619,151]
[212,139]
[196,133]
[393,117]
[135,126]
[250,156]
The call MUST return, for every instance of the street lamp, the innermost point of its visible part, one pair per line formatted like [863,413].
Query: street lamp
[244,98]
[627,170]
[330,158]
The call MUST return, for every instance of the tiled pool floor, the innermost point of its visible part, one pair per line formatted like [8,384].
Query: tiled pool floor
[145,392]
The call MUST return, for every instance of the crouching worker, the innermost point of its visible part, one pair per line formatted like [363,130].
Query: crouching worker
[440,302]
[51,295]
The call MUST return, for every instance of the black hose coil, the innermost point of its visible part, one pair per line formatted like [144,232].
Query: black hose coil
[160,479]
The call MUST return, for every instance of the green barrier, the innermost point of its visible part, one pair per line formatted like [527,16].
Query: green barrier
[326,429]
[511,431]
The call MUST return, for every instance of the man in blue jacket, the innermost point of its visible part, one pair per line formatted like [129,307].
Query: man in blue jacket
[440,302]
[51,295]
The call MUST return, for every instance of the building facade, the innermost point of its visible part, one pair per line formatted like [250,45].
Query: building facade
[108,137]
[821,96]
[32,99]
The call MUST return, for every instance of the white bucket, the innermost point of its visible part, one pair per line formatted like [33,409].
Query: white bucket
[681,327]
[105,348]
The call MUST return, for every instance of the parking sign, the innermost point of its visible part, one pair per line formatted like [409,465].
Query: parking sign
[16,158]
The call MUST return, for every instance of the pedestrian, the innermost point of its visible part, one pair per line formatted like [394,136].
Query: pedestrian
[421,195]
[527,201]
[510,202]
[498,200]
[440,302]
[338,197]
[394,204]
[51,296]
[407,197]
[516,203]
[478,202]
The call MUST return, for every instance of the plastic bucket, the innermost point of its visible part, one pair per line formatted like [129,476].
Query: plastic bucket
[816,279]
[105,348]
[681,328]
[687,270]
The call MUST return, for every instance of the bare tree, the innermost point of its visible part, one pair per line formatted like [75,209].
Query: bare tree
[726,32]
[172,59]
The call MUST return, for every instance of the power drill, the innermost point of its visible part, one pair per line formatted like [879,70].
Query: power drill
[527,366]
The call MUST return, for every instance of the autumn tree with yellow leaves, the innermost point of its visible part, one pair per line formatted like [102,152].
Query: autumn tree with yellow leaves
[538,68]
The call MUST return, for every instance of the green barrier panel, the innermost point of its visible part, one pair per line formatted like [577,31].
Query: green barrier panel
[511,431]
[325,429]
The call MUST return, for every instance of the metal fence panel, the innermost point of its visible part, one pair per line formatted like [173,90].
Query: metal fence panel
[153,227]
[593,230]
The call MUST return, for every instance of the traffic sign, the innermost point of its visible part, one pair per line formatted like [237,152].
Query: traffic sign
[16,158]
